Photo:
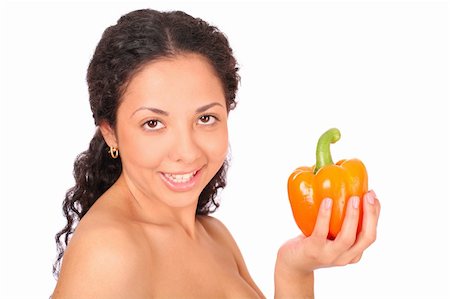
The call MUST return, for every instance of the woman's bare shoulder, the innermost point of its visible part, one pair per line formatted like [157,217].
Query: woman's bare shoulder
[220,233]
[215,227]
[103,259]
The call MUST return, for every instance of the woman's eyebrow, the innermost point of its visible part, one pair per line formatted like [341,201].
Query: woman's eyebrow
[206,107]
[155,110]
[165,113]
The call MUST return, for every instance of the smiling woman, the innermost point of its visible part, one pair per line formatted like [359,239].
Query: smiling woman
[161,86]
[161,103]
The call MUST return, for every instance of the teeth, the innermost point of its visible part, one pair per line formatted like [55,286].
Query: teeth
[180,178]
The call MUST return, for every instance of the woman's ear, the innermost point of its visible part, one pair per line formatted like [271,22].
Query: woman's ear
[108,134]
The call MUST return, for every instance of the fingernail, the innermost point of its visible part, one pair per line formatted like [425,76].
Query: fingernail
[355,201]
[370,196]
[327,202]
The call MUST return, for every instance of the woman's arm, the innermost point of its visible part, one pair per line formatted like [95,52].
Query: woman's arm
[293,285]
[299,257]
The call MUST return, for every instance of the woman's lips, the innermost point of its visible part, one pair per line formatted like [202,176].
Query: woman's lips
[181,181]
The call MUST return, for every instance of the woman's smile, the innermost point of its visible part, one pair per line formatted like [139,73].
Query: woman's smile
[181,181]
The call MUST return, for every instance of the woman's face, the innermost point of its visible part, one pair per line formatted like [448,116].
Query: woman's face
[172,129]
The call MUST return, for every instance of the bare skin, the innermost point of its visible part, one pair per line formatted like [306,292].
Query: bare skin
[114,254]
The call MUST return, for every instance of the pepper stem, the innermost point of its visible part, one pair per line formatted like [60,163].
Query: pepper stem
[323,153]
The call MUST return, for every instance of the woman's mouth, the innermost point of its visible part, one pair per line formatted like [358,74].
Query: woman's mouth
[180,178]
[181,181]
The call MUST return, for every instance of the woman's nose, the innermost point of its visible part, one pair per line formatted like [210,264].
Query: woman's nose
[185,147]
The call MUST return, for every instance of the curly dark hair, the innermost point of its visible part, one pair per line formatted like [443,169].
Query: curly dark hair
[138,38]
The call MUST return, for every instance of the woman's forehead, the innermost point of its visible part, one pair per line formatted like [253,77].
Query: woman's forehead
[187,79]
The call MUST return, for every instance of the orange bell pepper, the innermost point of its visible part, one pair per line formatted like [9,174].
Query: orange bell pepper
[308,186]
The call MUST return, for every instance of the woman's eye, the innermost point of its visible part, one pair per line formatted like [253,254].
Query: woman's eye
[207,119]
[153,125]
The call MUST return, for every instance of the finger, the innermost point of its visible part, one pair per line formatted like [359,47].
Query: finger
[347,236]
[322,225]
[368,232]
[356,259]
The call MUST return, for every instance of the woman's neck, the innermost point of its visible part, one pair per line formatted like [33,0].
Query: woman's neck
[153,211]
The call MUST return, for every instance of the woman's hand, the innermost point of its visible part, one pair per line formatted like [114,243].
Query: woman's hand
[299,257]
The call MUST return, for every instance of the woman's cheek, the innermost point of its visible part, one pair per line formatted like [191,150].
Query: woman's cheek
[218,146]
[142,150]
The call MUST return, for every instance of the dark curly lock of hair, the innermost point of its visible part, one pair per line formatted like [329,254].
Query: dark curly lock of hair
[138,38]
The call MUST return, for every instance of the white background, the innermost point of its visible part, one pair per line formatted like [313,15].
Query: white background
[379,71]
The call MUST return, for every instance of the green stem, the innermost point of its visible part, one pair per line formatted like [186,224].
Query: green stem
[323,154]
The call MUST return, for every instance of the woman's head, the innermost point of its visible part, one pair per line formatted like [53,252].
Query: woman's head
[171,130]
[145,36]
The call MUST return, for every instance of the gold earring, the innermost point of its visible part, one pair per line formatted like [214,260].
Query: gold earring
[114,152]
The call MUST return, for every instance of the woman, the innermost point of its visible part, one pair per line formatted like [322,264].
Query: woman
[161,86]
